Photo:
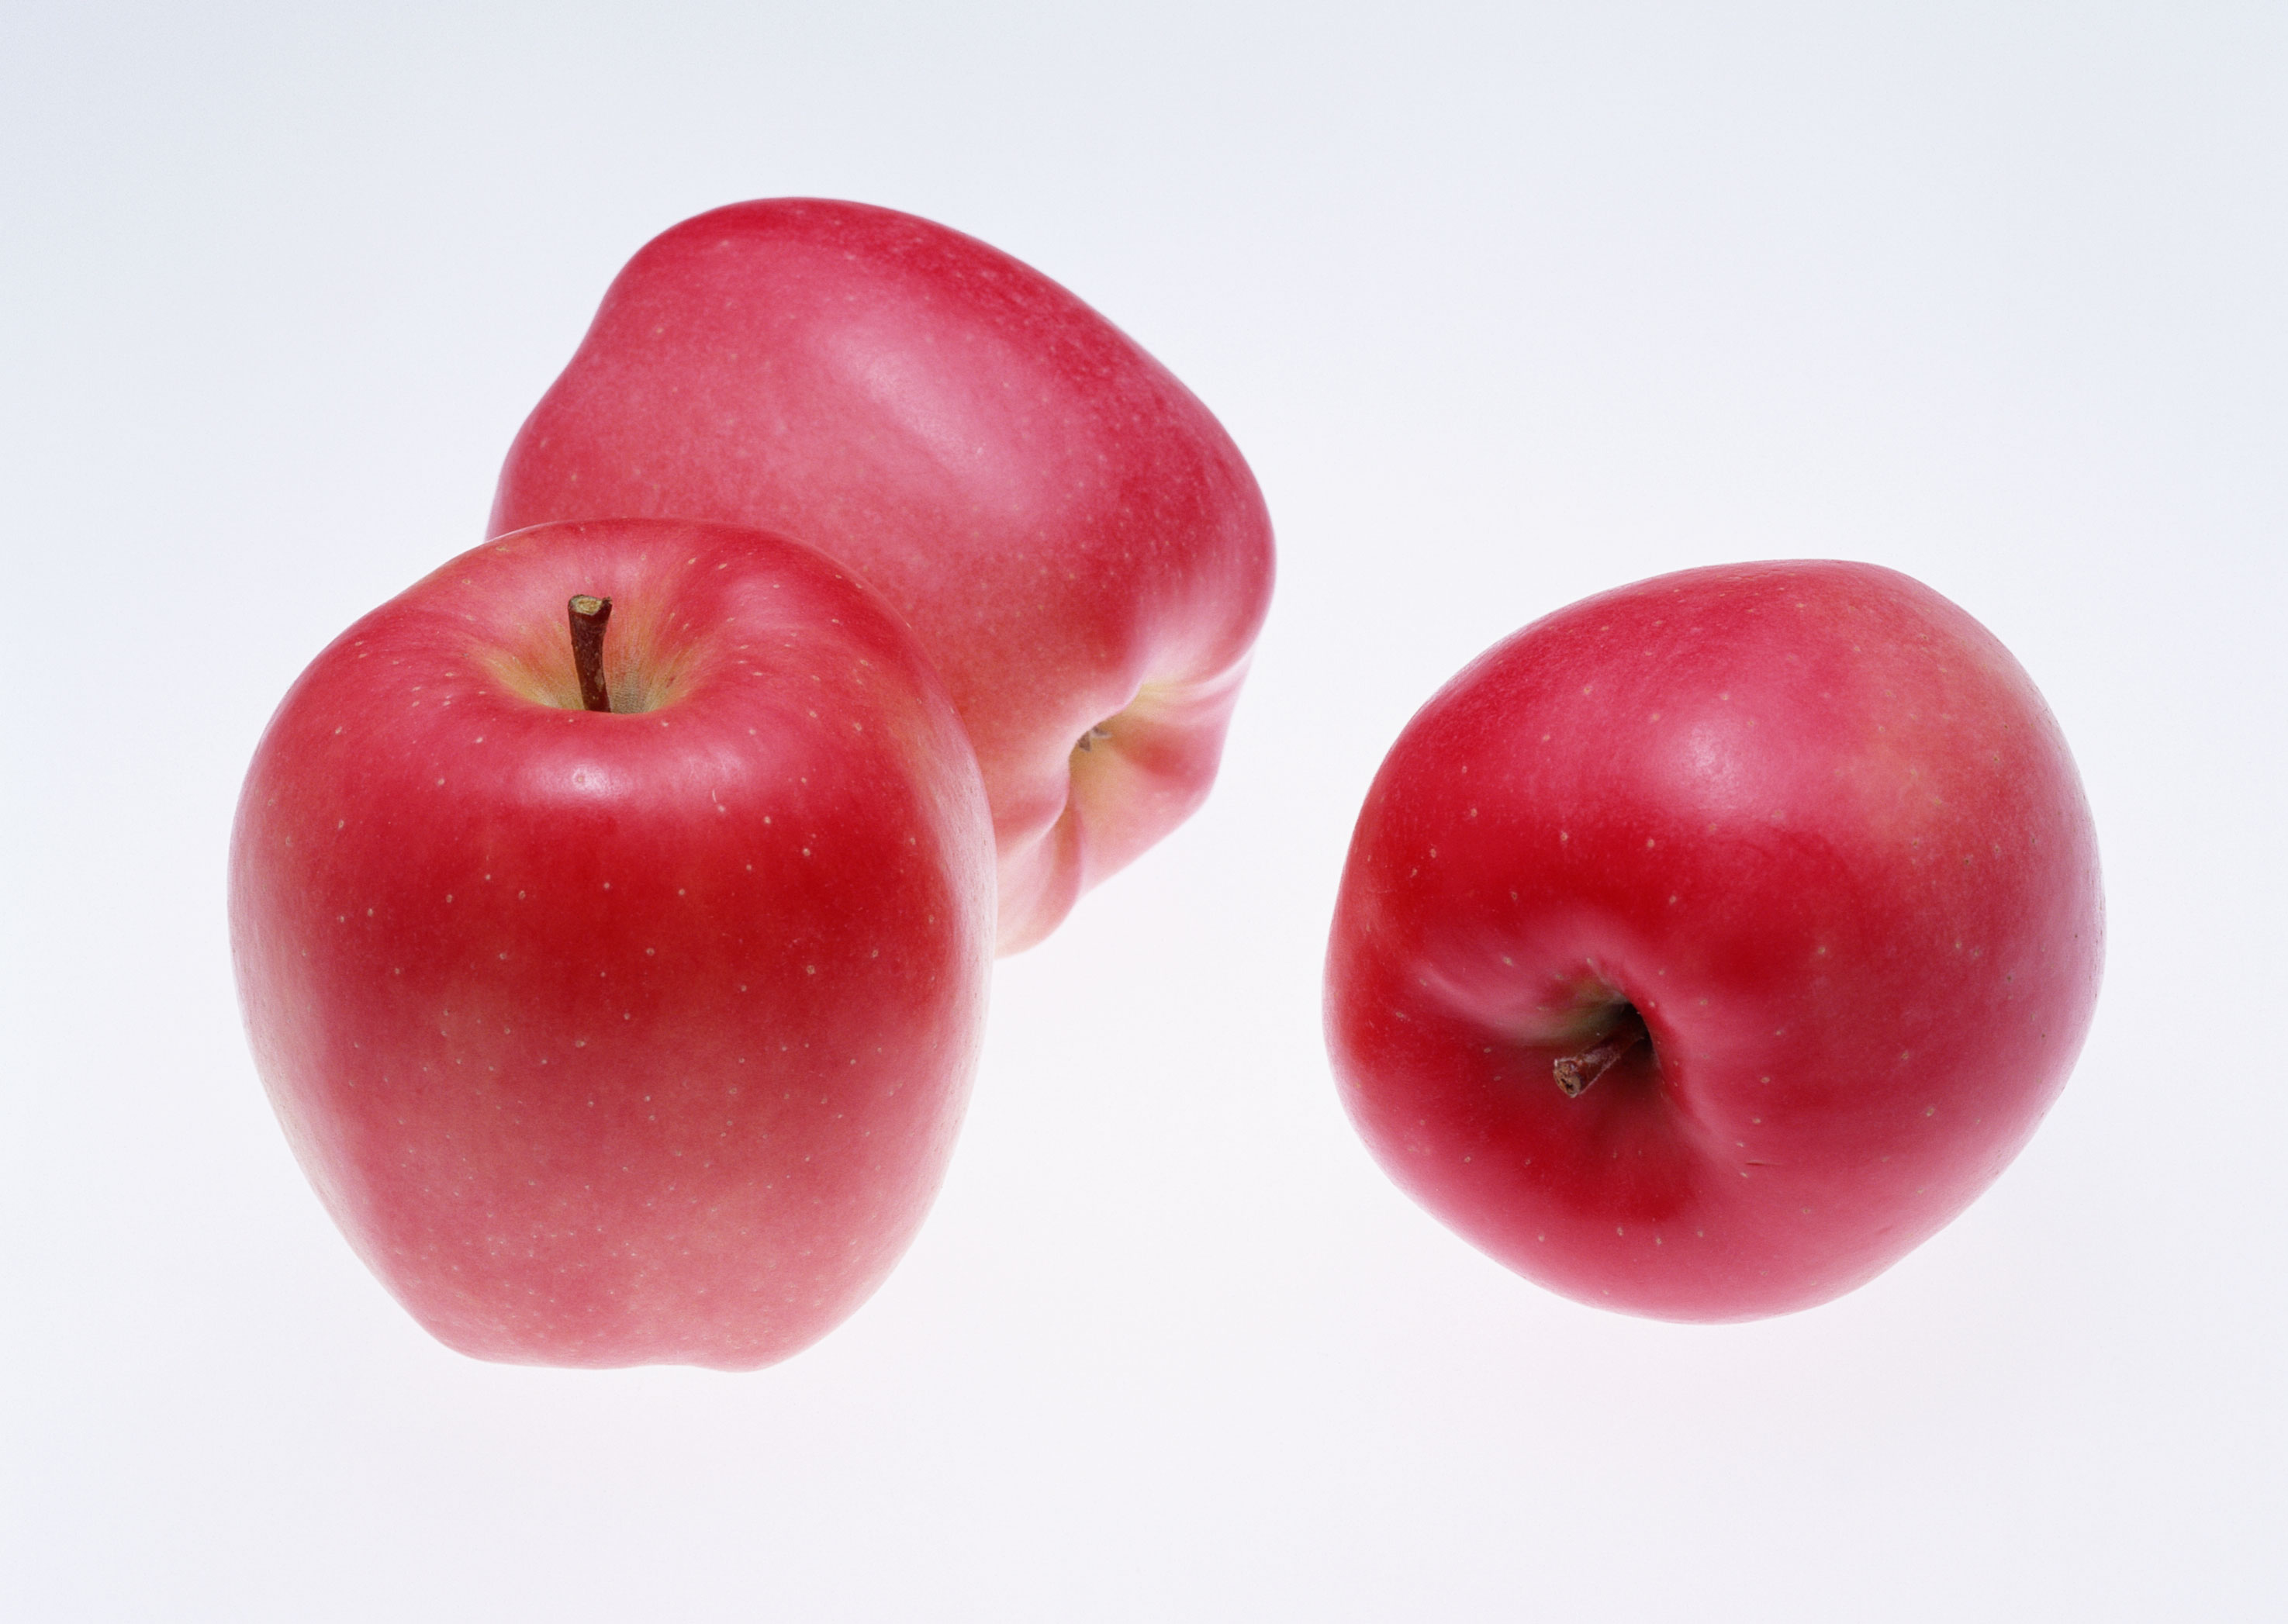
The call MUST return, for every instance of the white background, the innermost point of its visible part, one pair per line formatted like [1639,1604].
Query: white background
[1506,305]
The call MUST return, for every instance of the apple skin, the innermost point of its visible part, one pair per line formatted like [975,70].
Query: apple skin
[612,1039]
[1075,538]
[1817,826]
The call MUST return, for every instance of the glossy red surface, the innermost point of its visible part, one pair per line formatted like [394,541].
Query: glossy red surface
[1074,537]
[619,1038]
[1815,825]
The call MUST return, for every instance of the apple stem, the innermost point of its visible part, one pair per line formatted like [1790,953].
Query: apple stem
[1575,1073]
[589,616]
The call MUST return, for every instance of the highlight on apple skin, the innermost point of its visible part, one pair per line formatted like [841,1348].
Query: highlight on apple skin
[1078,544]
[631,1036]
[1708,945]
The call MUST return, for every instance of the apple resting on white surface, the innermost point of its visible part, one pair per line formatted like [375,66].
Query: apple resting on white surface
[1077,542]
[629,1035]
[1706,946]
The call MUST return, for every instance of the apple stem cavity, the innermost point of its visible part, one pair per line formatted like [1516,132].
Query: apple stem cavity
[588,617]
[1575,1073]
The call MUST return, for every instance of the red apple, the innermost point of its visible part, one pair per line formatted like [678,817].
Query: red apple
[1077,542]
[1708,945]
[624,1037]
